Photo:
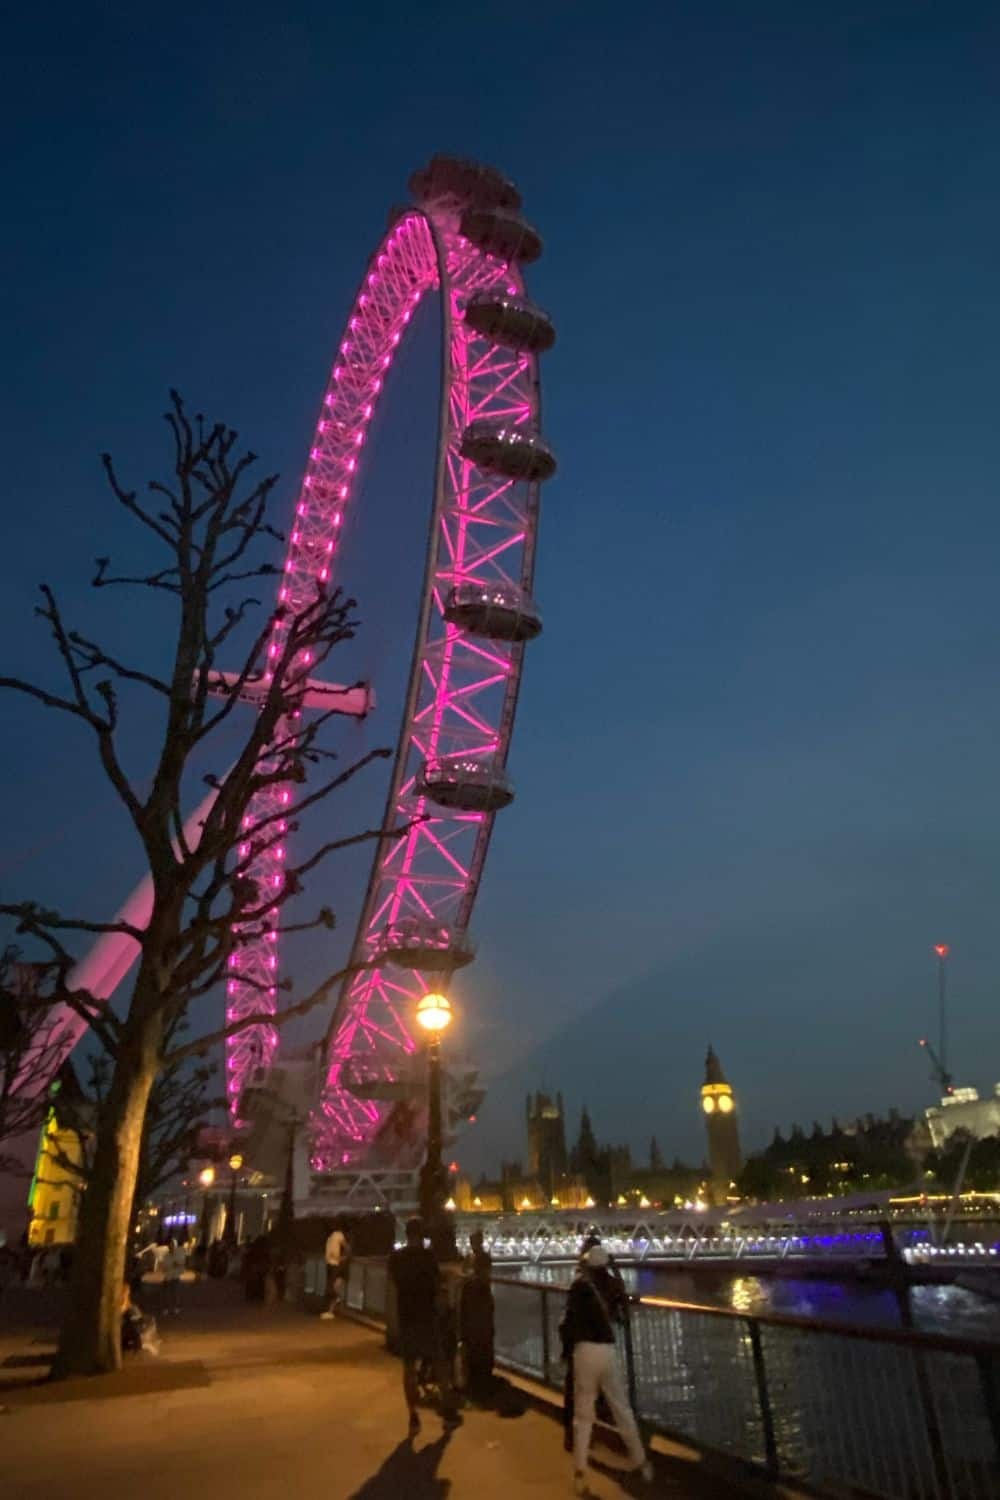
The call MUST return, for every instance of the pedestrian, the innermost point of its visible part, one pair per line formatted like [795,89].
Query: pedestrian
[218,1260]
[138,1332]
[278,1278]
[416,1277]
[256,1269]
[173,1265]
[477,1329]
[595,1307]
[593,1239]
[338,1255]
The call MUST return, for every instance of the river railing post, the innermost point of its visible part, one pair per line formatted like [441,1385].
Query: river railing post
[763,1399]
[546,1350]
[633,1388]
[989,1380]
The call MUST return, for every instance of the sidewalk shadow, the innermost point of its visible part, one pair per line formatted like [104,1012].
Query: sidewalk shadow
[501,1397]
[409,1472]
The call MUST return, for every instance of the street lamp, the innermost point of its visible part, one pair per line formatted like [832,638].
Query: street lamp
[206,1177]
[434,1016]
[235,1162]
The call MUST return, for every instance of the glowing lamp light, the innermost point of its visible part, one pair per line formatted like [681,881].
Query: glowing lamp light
[942,950]
[236,1161]
[206,1176]
[434,1013]
[450,1205]
[525,1202]
[644,1202]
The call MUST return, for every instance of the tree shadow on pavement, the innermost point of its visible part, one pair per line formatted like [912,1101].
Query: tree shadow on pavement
[409,1472]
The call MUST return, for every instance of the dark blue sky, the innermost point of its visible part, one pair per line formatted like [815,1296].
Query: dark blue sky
[756,760]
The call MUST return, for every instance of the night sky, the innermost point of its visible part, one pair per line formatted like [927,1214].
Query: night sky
[756,756]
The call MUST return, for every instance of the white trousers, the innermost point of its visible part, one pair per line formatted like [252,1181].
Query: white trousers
[596,1368]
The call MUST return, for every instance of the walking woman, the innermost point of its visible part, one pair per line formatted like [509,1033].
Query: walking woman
[596,1305]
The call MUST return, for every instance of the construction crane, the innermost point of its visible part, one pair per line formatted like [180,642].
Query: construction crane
[939,1059]
[942,950]
[939,1072]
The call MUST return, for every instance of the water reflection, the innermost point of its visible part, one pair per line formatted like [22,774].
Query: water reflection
[935,1309]
[745,1293]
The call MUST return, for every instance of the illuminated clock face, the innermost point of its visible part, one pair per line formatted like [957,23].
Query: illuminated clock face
[726,1104]
[708,1104]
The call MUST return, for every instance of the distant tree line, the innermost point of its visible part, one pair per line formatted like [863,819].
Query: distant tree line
[870,1155]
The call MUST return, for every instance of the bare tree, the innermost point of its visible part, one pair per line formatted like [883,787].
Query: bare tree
[28,1044]
[180,1105]
[206,522]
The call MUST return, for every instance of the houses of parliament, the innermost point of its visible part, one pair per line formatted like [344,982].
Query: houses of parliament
[589,1174]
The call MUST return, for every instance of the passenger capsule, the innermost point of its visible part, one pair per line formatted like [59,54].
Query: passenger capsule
[513,321]
[467,783]
[466,182]
[505,235]
[414,943]
[497,612]
[507,450]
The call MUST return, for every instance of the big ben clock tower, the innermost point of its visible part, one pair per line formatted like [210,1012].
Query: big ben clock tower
[718,1103]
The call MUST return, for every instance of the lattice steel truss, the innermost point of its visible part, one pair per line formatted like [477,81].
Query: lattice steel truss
[463,688]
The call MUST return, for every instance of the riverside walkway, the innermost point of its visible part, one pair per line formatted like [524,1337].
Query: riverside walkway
[254,1403]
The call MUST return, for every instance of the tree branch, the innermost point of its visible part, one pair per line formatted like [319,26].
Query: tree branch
[264,1018]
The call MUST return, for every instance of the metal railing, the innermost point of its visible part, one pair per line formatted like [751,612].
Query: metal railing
[848,1411]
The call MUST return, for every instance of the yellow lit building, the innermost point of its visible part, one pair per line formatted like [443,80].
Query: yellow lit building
[54,1198]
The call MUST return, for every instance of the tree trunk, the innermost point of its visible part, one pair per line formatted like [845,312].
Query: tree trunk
[90,1341]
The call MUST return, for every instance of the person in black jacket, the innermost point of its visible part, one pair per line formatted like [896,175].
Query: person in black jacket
[476,1308]
[415,1275]
[597,1303]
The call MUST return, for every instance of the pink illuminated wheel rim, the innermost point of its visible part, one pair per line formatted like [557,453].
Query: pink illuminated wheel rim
[476,615]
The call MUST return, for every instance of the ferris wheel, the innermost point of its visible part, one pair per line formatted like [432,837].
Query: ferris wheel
[465,239]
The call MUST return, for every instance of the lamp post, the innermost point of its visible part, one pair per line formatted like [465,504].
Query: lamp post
[434,1017]
[235,1162]
[286,1213]
[206,1177]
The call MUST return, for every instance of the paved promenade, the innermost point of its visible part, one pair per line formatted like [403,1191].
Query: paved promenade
[252,1403]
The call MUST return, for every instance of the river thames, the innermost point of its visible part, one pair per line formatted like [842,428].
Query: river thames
[935,1309]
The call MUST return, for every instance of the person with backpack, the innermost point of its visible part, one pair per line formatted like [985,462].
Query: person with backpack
[596,1305]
